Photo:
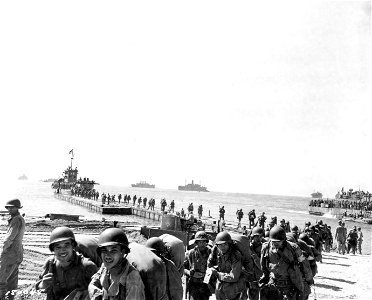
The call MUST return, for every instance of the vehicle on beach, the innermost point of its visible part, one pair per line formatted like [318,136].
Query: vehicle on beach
[316,195]
[143,184]
[192,187]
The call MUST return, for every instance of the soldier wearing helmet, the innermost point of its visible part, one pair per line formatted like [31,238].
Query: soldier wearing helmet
[225,262]
[257,235]
[340,237]
[277,259]
[195,267]
[12,252]
[174,281]
[117,278]
[66,273]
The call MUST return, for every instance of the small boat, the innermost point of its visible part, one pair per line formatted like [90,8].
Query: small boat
[66,217]
[143,184]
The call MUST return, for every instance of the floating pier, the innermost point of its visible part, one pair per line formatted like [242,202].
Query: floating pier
[111,209]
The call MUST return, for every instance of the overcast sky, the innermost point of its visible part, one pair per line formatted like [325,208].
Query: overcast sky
[263,97]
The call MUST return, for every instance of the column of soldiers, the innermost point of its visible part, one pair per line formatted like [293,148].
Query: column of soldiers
[267,264]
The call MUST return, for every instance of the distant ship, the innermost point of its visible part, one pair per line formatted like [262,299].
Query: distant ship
[192,187]
[23,177]
[49,180]
[316,195]
[143,184]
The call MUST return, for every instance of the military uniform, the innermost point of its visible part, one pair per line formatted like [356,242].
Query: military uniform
[195,268]
[127,286]
[12,254]
[75,277]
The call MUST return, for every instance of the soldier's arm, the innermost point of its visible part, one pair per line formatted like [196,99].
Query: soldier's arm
[13,230]
[236,270]
[95,290]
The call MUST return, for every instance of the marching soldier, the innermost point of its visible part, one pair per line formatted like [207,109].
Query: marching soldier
[195,268]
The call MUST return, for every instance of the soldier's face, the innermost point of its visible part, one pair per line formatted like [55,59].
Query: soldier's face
[276,245]
[201,244]
[12,210]
[111,255]
[63,251]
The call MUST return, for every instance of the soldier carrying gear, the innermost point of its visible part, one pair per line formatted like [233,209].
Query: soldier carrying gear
[282,277]
[262,220]
[239,215]
[251,217]
[65,266]
[225,262]
[195,267]
[174,281]
[222,213]
[117,278]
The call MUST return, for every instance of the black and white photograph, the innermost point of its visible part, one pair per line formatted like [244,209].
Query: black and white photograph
[192,150]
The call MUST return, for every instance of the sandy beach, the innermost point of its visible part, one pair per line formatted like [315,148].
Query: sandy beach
[339,276]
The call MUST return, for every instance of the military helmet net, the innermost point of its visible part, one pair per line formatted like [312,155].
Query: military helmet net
[60,234]
[277,233]
[223,237]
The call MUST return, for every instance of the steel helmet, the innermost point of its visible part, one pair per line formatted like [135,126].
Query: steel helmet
[201,236]
[258,231]
[277,233]
[291,237]
[113,236]
[223,237]
[156,243]
[60,234]
[13,203]
[304,237]
[295,228]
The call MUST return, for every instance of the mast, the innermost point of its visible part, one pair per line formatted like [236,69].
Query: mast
[72,156]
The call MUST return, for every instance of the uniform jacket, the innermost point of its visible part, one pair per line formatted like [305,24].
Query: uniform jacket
[128,286]
[12,248]
[74,277]
[229,271]
[275,265]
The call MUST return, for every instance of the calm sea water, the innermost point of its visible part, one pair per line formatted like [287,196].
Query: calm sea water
[38,200]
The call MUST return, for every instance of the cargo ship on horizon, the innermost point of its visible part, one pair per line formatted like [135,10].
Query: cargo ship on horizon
[143,184]
[192,187]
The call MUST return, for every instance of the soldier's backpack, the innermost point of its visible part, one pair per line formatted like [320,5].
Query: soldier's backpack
[152,270]
[87,245]
[176,250]
[242,243]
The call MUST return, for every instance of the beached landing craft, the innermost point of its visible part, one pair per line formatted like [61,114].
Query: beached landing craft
[70,181]
[353,206]
[143,184]
[192,187]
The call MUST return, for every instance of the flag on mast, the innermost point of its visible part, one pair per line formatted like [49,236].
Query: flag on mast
[71,152]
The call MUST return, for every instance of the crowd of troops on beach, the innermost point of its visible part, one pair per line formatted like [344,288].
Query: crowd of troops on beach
[276,261]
